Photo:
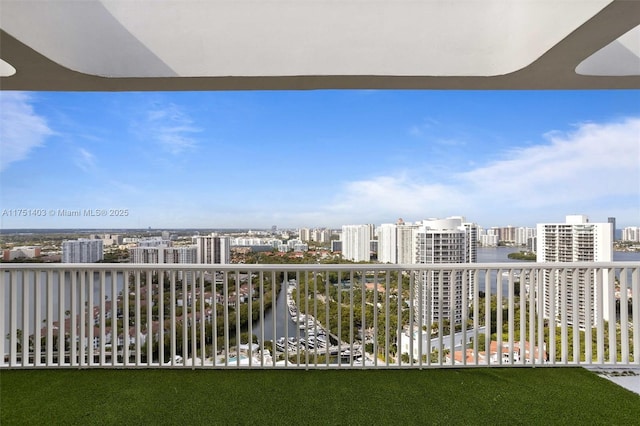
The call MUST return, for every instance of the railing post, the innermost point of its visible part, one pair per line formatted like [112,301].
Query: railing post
[590,291]
[261,314]
[73,312]
[487,316]
[635,295]
[250,316]
[197,277]
[524,275]
[173,350]
[564,307]
[49,318]
[600,320]
[540,291]
[453,295]
[387,313]
[624,317]
[149,325]
[4,287]
[327,316]
[376,349]
[476,314]
[13,321]
[533,286]
[440,317]
[161,330]
[363,292]
[511,316]
[82,314]
[126,338]
[576,304]
[552,314]
[103,337]
[194,320]
[499,319]
[26,275]
[138,330]
[274,298]
[399,308]
[351,320]
[611,301]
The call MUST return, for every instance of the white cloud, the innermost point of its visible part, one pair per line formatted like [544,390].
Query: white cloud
[21,129]
[172,128]
[578,170]
[386,198]
[422,129]
[594,161]
[85,160]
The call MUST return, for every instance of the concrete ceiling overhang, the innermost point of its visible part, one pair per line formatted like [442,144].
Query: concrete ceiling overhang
[315,44]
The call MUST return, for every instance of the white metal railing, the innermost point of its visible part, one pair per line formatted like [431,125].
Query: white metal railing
[319,316]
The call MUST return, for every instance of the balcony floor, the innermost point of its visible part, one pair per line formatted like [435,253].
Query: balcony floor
[626,377]
[458,396]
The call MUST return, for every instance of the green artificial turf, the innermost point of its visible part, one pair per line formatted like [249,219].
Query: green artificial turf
[298,397]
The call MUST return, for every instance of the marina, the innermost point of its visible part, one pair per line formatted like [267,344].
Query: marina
[313,337]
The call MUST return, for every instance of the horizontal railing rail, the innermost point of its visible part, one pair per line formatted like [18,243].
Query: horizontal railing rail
[319,315]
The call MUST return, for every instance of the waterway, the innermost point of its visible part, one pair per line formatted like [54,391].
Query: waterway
[496,254]
[499,254]
[284,325]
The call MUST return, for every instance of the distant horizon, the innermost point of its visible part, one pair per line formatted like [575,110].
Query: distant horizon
[322,158]
[112,230]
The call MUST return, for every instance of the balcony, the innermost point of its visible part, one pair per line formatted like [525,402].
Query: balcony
[300,317]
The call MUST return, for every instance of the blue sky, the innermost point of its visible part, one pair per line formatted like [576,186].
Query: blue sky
[319,158]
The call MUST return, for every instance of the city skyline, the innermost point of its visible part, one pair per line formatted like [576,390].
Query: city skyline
[318,158]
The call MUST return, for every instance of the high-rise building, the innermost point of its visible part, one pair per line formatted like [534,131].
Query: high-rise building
[107,239]
[163,254]
[319,235]
[180,254]
[356,242]
[212,249]
[324,236]
[396,243]
[144,255]
[388,243]
[488,237]
[576,240]
[406,241]
[523,235]
[631,233]
[304,234]
[612,221]
[166,255]
[507,234]
[439,294]
[472,230]
[154,242]
[28,252]
[82,250]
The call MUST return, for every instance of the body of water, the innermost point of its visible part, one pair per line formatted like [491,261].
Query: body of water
[496,254]
[284,325]
[499,254]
